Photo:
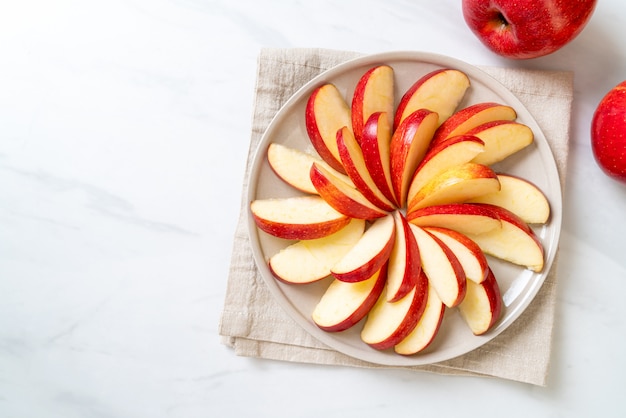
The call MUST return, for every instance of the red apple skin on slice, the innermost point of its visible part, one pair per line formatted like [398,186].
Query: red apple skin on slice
[502,138]
[375,145]
[388,323]
[373,93]
[467,252]
[353,162]
[456,185]
[444,271]
[439,91]
[426,329]
[521,197]
[404,262]
[462,217]
[408,146]
[342,196]
[308,261]
[294,166]
[472,116]
[482,305]
[345,304]
[369,254]
[515,241]
[297,218]
[458,150]
[326,112]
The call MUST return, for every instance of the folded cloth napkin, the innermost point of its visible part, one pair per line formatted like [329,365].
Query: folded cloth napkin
[255,325]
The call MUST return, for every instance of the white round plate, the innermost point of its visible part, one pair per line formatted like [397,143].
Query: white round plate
[518,285]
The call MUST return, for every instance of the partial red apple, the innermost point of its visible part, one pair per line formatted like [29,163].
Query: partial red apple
[608,133]
[524,29]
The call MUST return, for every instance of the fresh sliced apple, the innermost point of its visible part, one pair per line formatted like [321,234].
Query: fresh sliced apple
[388,323]
[444,271]
[354,163]
[439,158]
[482,305]
[468,253]
[404,261]
[439,91]
[408,146]
[369,254]
[426,329]
[308,261]
[326,112]
[294,167]
[502,138]
[456,185]
[521,197]
[297,218]
[375,145]
[342,196]
[472,116]
[515,241]
[374,92]
[462,217]
[345,304]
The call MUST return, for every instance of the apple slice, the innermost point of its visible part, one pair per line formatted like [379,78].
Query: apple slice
[408,146]
[521,197]
[404,261]
[388,323]
[468,253]
[455,185]
[458,150]
[300,217]
[502,138]
[307,261]
[369,254]
[375,145]
[514,242]
[426,329]
[373,93]
[345,304]
[439,91]
[444,271]
[342,196]
[294,166]
[482,305]
[472,116]
[354,164]
[462,217]
[326,112]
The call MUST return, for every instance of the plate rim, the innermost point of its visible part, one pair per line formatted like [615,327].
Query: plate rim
[474,73]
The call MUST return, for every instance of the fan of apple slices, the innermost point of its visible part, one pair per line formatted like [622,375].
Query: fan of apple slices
[401,208]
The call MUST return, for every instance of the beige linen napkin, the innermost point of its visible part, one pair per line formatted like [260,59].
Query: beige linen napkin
[255,325]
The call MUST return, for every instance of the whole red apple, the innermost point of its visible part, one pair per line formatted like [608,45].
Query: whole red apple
[608,133]
[523,29]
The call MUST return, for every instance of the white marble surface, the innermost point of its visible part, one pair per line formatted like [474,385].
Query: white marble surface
[124,128]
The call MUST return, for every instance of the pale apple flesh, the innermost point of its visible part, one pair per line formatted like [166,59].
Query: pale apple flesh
[439,91]
[369,253]
[521,197]
[326,112]
[342,196]
[308,261]
[472,116]
[374,93]
[344,304]
[456,184]
[502,139]
[297,218]
[458,150]
[404,261]
[482,306]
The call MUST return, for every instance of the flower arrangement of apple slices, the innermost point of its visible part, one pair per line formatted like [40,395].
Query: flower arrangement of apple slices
[401,208]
